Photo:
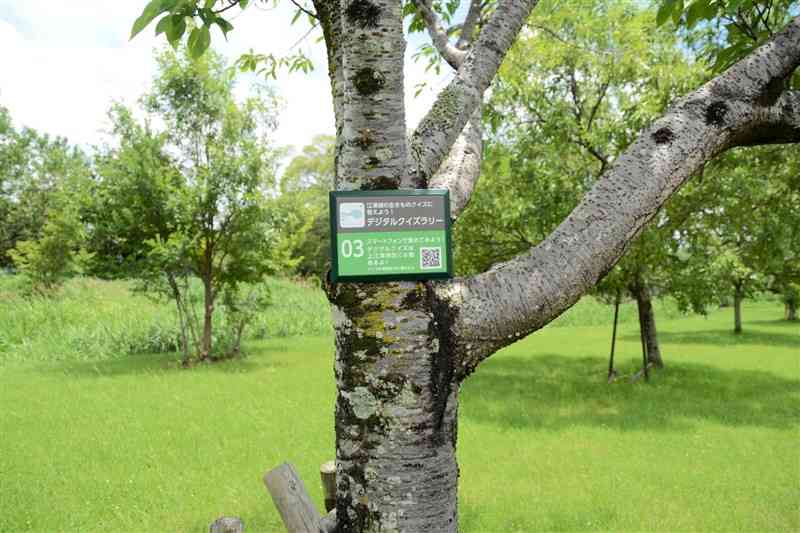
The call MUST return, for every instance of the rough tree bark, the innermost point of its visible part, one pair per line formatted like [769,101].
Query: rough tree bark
[790,310]
[647,323]
[738,296]
[403,349]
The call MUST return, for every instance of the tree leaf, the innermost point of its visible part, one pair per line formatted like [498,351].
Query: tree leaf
[664,11]
[199,40]
[699,10]
[225,26]
[164,25]
[151,11]
[677,12]
[296,16]
[176,29]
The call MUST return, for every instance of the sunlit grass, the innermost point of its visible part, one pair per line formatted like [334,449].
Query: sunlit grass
[134,443]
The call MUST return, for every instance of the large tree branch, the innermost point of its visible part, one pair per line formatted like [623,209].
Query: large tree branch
[438,34]
[438,130]
[470,23]
[780,122]
[460,171]
[741,106]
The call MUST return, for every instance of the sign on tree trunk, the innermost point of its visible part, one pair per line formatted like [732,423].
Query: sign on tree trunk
[390,235]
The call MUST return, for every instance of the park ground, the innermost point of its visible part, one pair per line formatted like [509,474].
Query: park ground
[96,436]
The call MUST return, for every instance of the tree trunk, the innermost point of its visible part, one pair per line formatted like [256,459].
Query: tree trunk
[790,310]
[738,296]
[647,324]
[403,348]
[396,411]
[208,315]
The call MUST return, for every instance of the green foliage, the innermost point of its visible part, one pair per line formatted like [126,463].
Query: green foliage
[83,451]
[199,17]
[304,199]
[724,31]
[92,320]
[751,238]
[180,15]
[268,65]
[41,178]
[192,200]
[46,262]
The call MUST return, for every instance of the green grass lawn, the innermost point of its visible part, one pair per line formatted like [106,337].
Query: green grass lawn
[134,443]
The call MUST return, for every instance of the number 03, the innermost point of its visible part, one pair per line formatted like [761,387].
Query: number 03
[353,248]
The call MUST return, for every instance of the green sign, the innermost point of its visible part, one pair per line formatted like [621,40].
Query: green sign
[390,235]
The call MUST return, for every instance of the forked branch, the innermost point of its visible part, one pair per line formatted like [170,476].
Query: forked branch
[744,105]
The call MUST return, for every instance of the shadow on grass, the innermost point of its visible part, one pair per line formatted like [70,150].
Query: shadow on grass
[161,363]
[725,337]
[778,322]
[556,392]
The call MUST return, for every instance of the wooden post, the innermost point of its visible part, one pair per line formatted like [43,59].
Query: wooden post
[227,524]
[327,473]
[291,498]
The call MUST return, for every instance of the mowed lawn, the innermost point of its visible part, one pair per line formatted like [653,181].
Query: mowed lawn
[135,443]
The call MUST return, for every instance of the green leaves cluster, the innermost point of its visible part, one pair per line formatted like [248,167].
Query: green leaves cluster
[750,238]
[724,31]
[268,65]
[43,190]
[44,263]
[189,203]
[304,187]
[178,16]
[198,17]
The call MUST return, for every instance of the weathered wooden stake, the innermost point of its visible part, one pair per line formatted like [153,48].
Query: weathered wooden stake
[327,473]
[291,498]
[227,524]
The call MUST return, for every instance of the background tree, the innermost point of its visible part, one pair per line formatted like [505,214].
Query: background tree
[38,175]
[568,100]
[43,183]
[747,242]
[190,201]
[304,188]
[403,349]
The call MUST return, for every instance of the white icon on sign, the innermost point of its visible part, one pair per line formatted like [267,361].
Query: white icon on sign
[352,215]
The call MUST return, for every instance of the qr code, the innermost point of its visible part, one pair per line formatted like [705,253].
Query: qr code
[430,258]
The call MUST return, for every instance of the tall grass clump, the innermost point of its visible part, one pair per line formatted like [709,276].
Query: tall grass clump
[92,319]
[298,308]
[88,319]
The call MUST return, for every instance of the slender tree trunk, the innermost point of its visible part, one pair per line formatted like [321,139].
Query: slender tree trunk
[738,296]
[647,324]
[208,315]
[790,310]
[611,371]
[182,318]
[396,411]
